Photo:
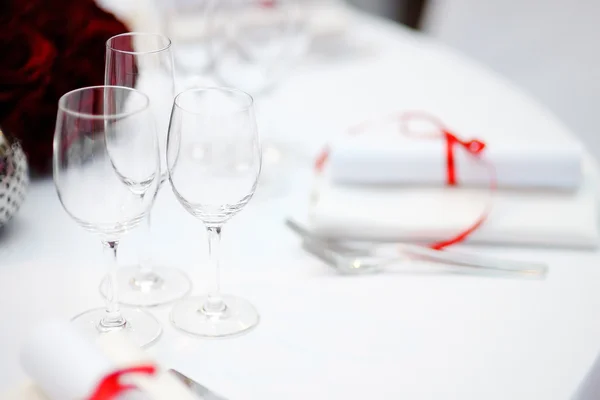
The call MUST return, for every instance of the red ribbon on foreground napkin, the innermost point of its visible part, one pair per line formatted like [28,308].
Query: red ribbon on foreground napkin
[473,147]
[110,387]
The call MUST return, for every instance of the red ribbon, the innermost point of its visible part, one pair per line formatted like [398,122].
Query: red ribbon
[473,147]
[110,387]
[267,3]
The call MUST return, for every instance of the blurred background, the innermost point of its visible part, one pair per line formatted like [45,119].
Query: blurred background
[545,47]
[548,48]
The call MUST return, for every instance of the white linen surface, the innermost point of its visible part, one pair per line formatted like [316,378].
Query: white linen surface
[412,213]
[398,159]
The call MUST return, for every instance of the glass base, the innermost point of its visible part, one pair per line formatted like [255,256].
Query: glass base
[140,327]
[238,317]
[160,286]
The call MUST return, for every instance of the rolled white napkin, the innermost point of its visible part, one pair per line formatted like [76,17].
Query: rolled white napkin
[428,214]
[28,391]
[64,365]
[398,159]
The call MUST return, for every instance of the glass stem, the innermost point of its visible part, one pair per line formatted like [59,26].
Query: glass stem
[146,252]
[214,304]
[113,318]
[146,278]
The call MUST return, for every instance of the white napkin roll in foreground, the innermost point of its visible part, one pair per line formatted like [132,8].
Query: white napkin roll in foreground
[428,214]
[62,362]
[64,365]
[398,159]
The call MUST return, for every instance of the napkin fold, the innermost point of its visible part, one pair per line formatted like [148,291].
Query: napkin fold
[398,159]
[429,214]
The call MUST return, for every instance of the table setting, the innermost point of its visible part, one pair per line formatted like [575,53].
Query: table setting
[365,214]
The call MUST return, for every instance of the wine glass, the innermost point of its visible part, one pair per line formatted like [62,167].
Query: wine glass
[143,61]
[106,172]
[214,161]
[255,43]
[188,24]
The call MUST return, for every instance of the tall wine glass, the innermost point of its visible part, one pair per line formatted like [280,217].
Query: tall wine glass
[144,61]
[106,172]
[214,162]
[255,44]
[188,24]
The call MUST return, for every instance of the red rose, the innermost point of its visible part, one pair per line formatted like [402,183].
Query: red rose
[82,62]
[26,68]
[60,24]
[50,48]
[32,123]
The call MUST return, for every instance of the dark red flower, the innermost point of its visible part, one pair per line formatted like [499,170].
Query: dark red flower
[83,61]
[61,23]
[26,68]
[32,123]
[50,48]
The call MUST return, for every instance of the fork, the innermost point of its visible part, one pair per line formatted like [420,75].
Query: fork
[352,260]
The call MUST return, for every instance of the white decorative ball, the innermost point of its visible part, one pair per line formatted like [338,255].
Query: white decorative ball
[14,178]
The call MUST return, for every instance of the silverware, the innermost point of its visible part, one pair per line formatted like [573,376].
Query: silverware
[197,388]
[348,259]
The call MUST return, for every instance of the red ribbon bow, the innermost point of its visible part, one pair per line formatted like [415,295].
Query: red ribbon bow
[474,147]
[110,387]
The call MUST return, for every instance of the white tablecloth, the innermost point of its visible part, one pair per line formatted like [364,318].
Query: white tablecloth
[392,336]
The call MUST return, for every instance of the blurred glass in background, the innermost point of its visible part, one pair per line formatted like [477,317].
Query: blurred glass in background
[546,47]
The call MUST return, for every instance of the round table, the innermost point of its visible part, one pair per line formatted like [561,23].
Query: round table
[324,336]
